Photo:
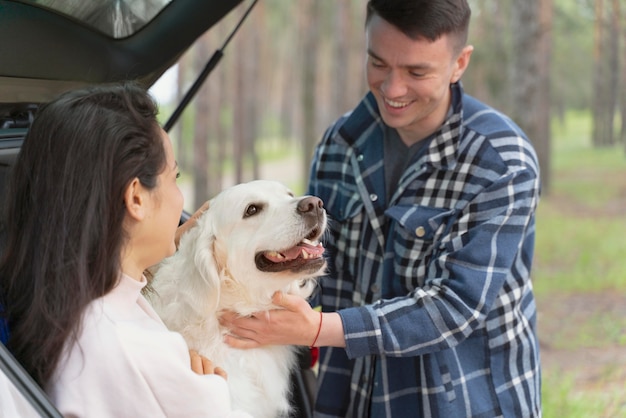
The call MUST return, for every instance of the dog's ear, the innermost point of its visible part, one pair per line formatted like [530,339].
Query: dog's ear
[207,284]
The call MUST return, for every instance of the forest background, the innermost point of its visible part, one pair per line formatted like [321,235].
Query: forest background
[557,67]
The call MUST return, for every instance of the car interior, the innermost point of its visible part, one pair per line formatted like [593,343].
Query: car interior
[58,45]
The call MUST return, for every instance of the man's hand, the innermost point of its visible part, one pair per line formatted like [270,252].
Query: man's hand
[295,324]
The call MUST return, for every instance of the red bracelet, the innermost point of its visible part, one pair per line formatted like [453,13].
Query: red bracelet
[318,331]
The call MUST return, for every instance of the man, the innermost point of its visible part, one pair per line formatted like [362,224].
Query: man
[428,304]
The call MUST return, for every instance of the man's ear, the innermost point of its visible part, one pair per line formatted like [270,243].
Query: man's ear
[135,200]
[462,61]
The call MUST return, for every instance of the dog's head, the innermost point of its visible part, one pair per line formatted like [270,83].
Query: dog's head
[259,238]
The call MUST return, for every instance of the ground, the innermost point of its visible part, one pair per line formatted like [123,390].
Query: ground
[599,369]
[559,319]
[583,336]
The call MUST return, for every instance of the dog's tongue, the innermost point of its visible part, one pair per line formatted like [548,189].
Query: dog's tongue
[312,251]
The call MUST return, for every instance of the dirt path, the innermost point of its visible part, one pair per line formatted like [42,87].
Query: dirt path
[595,324]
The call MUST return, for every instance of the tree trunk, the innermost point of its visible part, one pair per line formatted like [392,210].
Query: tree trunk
[613,80]
[526,73]
[254,97]
[180,149]
[309,27]
[215,91]
[543,140]
[201,133]
[599,97]
[239,100]
[623,72]
[339,77]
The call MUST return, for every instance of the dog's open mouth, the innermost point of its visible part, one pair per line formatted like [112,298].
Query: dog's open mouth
[306,255]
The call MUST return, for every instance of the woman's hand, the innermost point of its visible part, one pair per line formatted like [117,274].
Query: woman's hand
[191,222]
[295,324]
[203,365]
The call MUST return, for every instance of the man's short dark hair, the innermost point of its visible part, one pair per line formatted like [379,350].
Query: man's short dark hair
[429,19]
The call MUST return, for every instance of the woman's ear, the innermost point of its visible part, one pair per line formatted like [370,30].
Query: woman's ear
[135,200]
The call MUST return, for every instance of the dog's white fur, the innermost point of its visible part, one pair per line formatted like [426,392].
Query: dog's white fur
[214,270]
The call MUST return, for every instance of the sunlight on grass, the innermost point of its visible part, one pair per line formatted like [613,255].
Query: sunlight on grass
[597,330]
[582,224]
[561,400]
[578,254]
[581,249]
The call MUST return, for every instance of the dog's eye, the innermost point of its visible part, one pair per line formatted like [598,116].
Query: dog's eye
[252,210]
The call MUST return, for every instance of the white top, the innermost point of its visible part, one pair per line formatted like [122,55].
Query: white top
[128,364]
[12,403]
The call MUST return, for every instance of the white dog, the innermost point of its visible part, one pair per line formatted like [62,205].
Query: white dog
[256,238]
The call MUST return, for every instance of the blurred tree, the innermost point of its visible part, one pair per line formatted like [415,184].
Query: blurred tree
[201,132]
[339,102]
[543,141]
[309,18]
[180,150]
[601,97]
[613,69]
[218,139]
[296,66]
[239,108]
[622,10]
[487,76]
[530,69]
[254,64]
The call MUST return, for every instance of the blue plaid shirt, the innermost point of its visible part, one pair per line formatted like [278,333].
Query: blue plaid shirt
[434,287]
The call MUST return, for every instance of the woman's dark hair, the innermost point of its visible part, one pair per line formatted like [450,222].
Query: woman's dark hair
[429,19]
[65,212]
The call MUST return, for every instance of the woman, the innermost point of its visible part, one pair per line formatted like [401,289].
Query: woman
[94,203]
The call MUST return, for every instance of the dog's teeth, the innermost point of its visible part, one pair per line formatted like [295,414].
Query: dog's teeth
[312,243]
[275,254]
[305,255]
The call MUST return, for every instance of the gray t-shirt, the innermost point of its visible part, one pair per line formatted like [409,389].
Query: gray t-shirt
[397,156]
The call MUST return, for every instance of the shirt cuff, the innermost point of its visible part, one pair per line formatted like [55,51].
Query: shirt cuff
[360,331]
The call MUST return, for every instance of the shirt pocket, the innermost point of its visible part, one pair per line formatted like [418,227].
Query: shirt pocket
[341,200]
[417,233]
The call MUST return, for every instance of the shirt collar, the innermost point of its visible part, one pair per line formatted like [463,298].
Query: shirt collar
[365,121]
[127,291]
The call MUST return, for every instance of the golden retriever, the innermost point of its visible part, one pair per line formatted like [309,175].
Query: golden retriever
[256,238]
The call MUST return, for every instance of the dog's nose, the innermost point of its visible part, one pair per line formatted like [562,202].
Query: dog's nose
[310,204]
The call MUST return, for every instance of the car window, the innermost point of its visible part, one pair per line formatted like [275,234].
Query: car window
[114,18]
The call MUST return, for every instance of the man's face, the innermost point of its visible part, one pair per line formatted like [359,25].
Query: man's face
[411,78]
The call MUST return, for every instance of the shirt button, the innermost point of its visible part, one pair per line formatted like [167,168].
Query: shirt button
[373,197]
[359,157]
[420,231]
[374,288]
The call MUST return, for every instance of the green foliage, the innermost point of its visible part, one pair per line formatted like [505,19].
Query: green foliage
[579,256]
[576,254]
[572,66]
[560,400]
[571,57]
[580,226]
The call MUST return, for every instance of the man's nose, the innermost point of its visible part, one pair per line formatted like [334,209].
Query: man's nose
[393,85]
